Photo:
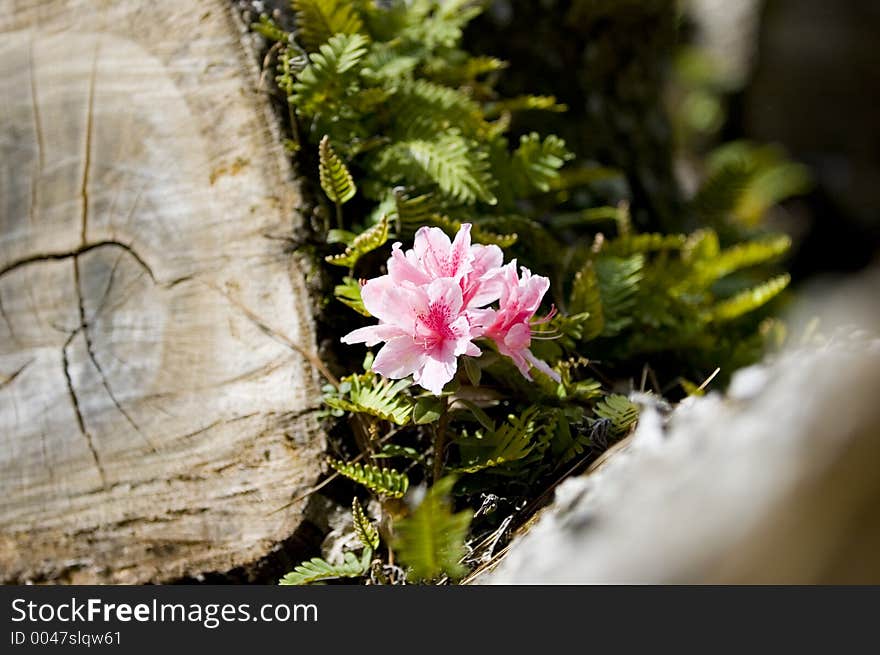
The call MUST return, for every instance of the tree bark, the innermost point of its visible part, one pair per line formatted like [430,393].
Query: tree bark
[156,407]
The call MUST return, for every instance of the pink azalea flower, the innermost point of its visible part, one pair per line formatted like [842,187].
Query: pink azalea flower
[433,255]
[422,326]
[509,327]
[432,304]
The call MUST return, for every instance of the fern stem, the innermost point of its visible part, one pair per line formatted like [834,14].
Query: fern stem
[440,439]
[339,215]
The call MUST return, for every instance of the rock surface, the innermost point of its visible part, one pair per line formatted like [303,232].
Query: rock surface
[775,482]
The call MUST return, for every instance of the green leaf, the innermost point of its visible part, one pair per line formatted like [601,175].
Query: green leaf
[525,103]
[749,300]
[349,293]
[366,531]
[423,110]
[317,569]
[318,20]
[431,540]
[268,28]
[367,241]
[538,162]
[619,279]
[386,482]
[586,302]
[330,78]
[472,370]
[632,244]
[456,165]
[393,450]
[481,417]
[427,410]
[620,411]
[335,178]
[743,255]
[488,448]
[376,396]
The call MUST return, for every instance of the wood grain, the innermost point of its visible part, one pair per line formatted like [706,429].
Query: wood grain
[152,413]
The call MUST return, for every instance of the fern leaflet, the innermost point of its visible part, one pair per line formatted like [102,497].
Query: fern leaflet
[749,300]
[431,540]
[370,394]
[365,242]
[620,411]
[318,20]
[386,482]
[334,176]
[366,531]
[317,569]
[509,442]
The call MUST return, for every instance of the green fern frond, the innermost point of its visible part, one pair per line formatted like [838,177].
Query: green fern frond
[767,178]
[386,482]
[335,178]
[367,241]
[349,293]
[423,109]
[323,84]
[269,29]
[436,26]
[454,164]
[620,411]
[632,244]
[366,531]
[488,448]
[749,300]
[564,443]
[721,191]
[701,246]
[317,569]
[464,70]
[538,162]
[586,301]
[386,66]
[478,233]
[376,396]
[318,20]
[431,540]
[524,103]
[619,279]
[743,255]
[414,212]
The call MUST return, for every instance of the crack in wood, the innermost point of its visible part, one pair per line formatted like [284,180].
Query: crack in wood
[38,124]
[37,173]
[84,325]
[67,254]
[79,417]
[279,336]
[87,157]
[15,374]
[6,319]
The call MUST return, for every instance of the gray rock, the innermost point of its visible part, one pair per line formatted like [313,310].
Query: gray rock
[775,482]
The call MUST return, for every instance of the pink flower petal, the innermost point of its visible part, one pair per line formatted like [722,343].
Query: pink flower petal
[446,292]
[373,334]
[518,337]
[400,357]
[397,304]
[435,373]
[542,366]
[404,269]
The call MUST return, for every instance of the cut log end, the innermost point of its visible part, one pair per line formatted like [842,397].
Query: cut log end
[153,415]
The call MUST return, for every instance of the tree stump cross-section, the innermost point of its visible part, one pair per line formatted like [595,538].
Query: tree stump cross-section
[153,415]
